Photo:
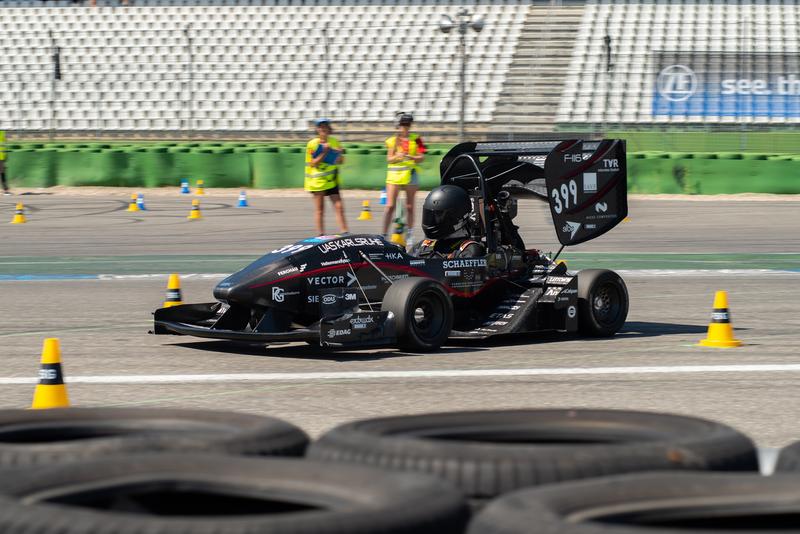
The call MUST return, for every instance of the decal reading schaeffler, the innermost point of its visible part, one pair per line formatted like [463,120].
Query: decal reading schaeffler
[464,264]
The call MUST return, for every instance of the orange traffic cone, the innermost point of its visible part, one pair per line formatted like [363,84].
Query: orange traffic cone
[50,391]
[19,215]
[173,291]
[195,213]
[365,215]
[720,329]
[133,206]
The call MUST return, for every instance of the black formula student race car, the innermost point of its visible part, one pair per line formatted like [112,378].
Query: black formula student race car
[362,290]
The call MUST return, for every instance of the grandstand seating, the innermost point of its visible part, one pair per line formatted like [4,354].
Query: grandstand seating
[249,67]
[727,37]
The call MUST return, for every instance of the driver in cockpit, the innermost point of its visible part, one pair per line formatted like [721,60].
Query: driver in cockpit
[449,224]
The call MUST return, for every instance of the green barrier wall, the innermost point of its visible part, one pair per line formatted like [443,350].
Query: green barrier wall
[265,166]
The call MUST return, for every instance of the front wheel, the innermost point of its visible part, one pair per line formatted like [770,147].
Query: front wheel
[602,302]
[423,313]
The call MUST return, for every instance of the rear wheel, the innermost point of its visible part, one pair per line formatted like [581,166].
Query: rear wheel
[602,302]
[423,313]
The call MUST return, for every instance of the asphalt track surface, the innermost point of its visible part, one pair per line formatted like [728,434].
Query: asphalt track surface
[673,253]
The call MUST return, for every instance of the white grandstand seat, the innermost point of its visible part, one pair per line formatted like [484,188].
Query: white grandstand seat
[248,55]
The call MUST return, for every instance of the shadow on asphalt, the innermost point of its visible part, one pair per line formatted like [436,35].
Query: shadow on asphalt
[309,352]
[631,330]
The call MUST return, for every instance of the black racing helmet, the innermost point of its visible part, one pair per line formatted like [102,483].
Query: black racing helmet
[445,213]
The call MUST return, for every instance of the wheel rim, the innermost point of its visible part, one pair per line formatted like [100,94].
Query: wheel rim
[428,316]
[607,304]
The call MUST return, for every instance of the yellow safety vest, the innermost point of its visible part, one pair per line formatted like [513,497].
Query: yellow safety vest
[324,176]
[2,146]
[399,173]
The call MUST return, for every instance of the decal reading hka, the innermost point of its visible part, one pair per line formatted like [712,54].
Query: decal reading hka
[394,256]
[349,242]
[462,264]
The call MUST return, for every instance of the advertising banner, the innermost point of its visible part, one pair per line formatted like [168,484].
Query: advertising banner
[721,84]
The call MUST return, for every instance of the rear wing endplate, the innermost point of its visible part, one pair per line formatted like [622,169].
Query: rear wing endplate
[584,182]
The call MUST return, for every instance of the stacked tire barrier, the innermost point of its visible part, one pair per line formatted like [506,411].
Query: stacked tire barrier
[710,173]
[217,164]
[261,166]
[139,471]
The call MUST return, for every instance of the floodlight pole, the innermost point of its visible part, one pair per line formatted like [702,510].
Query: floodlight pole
[462,30]
[464,21]
[326,71]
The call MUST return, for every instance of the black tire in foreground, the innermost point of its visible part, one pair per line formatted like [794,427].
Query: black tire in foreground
[789,458]
[602,302]
[423,313]
[33,437]
[493,452]
[651,503]
[205,494]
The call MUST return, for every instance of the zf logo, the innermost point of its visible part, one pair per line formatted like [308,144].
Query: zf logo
[277,294]
[676,83]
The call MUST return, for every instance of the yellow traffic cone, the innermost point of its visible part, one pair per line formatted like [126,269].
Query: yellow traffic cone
[173,291]
[720,329]
[133,206]
[195,213]
[398,235]
[365,213]
[19,214]
[200,190]
[50,391]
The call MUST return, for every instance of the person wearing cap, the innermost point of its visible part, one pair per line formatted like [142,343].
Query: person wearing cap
[323,158]
[405,151]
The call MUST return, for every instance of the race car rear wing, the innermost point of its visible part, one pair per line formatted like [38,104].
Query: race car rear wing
[584,182]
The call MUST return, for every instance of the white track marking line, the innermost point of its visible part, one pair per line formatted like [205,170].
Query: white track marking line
[444,373]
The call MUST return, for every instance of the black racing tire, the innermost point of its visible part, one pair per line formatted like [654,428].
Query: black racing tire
[602,302]
[35,437]
[205,494]
[488,453]
[789,459]
[649,503]
[423,313]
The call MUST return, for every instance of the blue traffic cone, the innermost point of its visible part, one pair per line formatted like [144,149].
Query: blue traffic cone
[242,200]
[140,202]
[383,197]
[185,187]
